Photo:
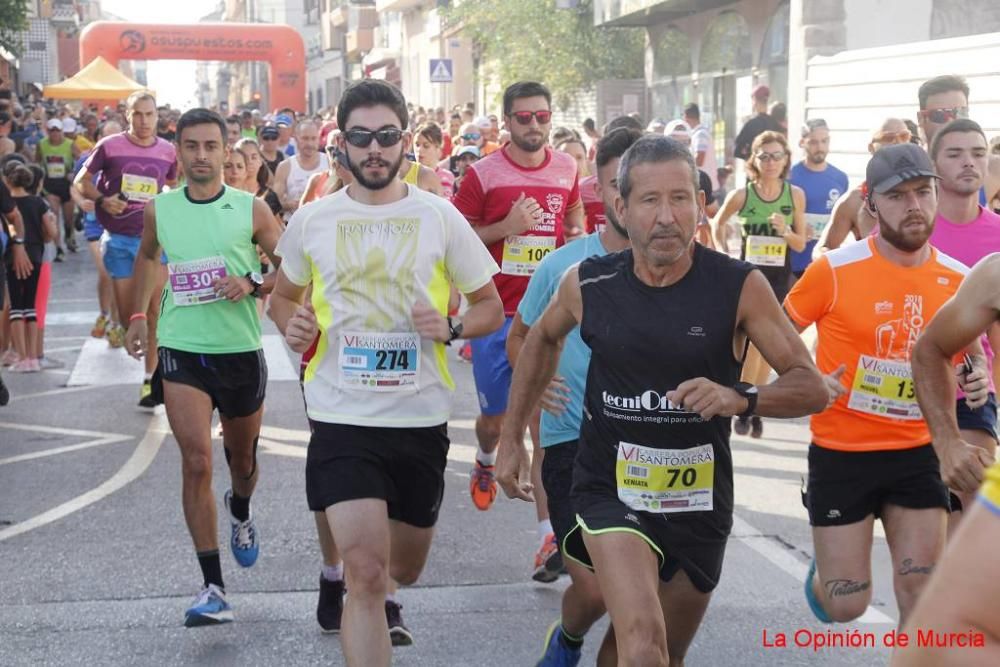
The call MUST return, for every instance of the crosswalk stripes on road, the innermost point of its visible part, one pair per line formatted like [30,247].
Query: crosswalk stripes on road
[100,364]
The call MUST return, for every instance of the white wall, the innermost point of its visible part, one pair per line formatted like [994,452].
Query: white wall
[872,23]
[854,91]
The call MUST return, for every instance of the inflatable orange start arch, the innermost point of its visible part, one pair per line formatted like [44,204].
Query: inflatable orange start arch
[279,45]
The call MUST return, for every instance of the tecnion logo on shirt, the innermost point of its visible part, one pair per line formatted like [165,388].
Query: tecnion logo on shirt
[649,401]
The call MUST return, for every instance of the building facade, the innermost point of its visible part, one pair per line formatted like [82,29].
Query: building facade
[714,52]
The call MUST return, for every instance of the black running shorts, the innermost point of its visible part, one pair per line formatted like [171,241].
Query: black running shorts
[57,187]
[700,556]
[981,419]
[235,382]
[403,466]
[557,480]
[846,487]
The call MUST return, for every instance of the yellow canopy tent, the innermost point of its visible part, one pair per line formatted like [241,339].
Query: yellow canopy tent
[99,80]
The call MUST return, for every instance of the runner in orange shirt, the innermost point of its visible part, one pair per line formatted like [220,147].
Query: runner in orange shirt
[871,454]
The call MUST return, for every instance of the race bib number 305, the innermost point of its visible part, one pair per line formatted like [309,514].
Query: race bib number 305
[139,188]
[884,388]
[665,480]
[766,250]
[192,282]
[522,254]
[372,361]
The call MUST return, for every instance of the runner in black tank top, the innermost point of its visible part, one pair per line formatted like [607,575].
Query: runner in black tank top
[653,481]
[626,402]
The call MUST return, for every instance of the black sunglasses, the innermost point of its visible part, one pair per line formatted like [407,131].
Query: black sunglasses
[386,137]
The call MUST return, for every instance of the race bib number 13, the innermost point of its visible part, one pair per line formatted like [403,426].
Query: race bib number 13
[884,388]
[665,480]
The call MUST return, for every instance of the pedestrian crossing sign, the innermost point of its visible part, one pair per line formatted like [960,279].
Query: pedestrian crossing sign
[441,70]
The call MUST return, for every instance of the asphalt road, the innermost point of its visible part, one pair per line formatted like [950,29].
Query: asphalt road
[96,566]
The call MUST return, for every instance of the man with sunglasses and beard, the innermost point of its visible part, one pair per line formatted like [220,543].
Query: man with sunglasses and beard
[521,200]
[871,454]
[381,256]
[942,100]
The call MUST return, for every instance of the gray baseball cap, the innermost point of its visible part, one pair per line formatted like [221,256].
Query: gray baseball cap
[892,165]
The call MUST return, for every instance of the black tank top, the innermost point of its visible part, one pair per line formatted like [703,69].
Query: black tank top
[644,342]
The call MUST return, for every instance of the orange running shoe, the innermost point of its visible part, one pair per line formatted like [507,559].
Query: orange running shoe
[548,561]
[483,486]
[100,326]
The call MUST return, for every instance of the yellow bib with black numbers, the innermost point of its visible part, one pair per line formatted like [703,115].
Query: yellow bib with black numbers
[665,481]
[884,388]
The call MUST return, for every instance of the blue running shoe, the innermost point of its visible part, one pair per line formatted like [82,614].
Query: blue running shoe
[814,605]
[244,542]
[210,608]
[557,653]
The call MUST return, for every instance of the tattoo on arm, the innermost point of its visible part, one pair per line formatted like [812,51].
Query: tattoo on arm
[907,567]
[844,587]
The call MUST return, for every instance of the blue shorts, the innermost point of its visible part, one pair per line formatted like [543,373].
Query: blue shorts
[980,419]
[119,255]
[492,371]
[92,229]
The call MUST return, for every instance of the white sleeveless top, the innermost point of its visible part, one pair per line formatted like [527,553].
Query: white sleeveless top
[298,177]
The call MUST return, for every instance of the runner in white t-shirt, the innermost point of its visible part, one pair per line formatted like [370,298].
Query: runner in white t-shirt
[381,257]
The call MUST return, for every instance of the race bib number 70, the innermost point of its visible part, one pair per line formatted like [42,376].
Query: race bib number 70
[665,480]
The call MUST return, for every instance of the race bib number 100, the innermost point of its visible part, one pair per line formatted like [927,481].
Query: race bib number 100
[372,361]
[522,254]
[665,480]
[192,282]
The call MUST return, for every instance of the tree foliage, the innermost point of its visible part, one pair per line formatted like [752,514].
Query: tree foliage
[13,20]
[532,39]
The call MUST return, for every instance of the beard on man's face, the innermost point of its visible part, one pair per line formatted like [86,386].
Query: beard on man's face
[357,170]
[913,232]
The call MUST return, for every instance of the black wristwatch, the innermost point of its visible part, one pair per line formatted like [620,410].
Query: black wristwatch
[257,281]
[749,392]
[97,202]
[454,330]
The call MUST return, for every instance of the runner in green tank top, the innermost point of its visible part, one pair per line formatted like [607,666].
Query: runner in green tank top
[210,352]
[772,219]
[56,153]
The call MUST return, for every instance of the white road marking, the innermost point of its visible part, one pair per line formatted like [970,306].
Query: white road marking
[51,392]
[783,560]
[100,364]
[143,455]
[97,439]
[279,366]
[70,317]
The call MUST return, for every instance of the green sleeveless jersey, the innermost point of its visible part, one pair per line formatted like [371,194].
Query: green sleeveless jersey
[57,161]
[762,246]
[205,241]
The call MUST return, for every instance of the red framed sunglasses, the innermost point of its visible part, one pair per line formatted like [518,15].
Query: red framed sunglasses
[524,117]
